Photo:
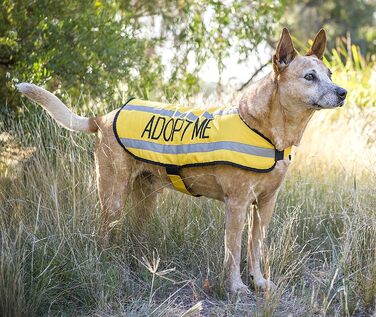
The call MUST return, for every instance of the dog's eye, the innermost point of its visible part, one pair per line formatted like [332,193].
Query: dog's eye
[310,76]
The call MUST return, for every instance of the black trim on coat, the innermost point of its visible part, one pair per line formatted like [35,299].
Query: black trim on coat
[256,170]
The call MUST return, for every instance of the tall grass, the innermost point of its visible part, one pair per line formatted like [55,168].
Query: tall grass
[356,72]
[321,243]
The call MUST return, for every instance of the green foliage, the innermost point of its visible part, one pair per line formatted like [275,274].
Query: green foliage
[355,72]
[352,19]
[105,49]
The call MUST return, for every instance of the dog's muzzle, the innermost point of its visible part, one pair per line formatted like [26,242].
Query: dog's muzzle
[341,95]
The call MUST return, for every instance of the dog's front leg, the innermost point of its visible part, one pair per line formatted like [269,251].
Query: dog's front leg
[262,214]
[235,213]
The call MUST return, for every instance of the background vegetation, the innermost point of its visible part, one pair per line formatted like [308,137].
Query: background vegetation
[321,244]
[90,48]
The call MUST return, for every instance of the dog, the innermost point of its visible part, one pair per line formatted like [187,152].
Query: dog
[278,106]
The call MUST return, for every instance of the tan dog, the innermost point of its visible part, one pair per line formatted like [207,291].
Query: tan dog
[279,106]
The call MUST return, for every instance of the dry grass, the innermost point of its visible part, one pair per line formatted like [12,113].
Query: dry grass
[321,243]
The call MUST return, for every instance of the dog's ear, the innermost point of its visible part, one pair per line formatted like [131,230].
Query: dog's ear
[284,53]
[319,45]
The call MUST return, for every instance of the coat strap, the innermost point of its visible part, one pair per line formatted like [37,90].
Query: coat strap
[174,175]
[283,155]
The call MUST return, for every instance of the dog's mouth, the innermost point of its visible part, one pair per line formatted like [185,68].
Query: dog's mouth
[341,103]
[319,107]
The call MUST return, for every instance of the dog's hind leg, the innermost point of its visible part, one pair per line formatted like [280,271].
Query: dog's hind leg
[114,184]
[144,195]
[113,190]
[262,214]
[235,213]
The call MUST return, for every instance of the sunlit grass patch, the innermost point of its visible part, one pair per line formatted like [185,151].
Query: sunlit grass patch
[320,250]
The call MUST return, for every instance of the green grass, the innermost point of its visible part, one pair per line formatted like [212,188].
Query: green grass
[356,73]
[321,243]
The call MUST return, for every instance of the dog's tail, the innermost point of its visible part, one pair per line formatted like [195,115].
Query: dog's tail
[57,110]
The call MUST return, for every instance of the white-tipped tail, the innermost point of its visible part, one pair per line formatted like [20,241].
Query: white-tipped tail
[56,108]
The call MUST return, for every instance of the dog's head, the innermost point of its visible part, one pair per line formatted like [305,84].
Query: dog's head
[305,81]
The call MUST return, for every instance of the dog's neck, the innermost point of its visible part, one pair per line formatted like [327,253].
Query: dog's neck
[262,109]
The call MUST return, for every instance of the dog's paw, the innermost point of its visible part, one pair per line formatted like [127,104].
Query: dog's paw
[239,293]
[239,288]
[264,285]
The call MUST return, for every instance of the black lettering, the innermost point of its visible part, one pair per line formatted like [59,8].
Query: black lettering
[204,136]
[185,130]
[165,130]
[153,136]
[148,127]
[198,128]
[175,129]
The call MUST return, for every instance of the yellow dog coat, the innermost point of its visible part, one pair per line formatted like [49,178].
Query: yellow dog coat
[176,137]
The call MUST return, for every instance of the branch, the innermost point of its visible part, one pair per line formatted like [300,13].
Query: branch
[253,76]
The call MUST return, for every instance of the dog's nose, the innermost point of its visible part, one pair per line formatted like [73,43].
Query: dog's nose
[341,93]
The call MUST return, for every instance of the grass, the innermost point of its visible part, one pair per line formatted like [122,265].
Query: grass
[320,248]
